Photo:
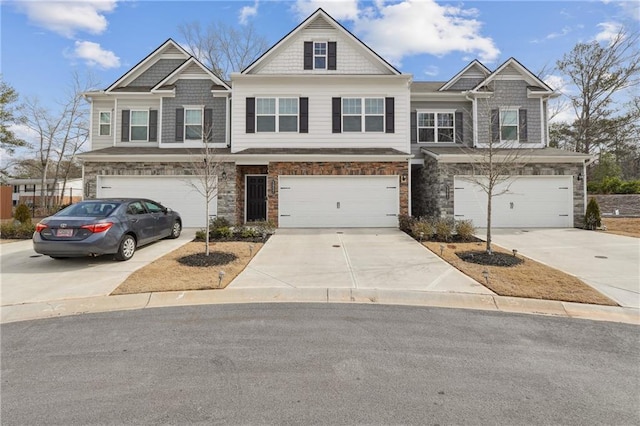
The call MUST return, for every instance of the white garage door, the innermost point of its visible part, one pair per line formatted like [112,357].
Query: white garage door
[529,202]
[175,192]
[338,201]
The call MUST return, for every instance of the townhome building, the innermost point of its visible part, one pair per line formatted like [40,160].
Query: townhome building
[321,131]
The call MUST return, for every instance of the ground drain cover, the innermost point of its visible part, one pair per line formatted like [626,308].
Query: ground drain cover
[336,245]
[601,257]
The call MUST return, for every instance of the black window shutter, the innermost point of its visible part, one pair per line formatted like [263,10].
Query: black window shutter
[495,125]
[459,129]
[153,125]
[250,122]
[414,127]
[522,119]
[308,55]
[125,125]
[304,115]
[179,124]
[389,112]
[208,124]
[336,115]
[332,55]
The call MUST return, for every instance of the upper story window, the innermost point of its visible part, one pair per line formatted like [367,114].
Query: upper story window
[362,113]
[276,114]
[320,55]
[193,124]
[509,125]
[105,123]
[139,129]
[436,127]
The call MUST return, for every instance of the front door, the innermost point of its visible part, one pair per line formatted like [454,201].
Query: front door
[256,198]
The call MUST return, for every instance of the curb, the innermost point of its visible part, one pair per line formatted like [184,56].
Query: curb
[41,310]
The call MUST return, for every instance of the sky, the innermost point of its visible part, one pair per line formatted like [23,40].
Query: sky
[43,42]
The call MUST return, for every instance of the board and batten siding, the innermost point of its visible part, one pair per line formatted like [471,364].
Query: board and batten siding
[320,92]
[97,141]
[351,59]
[136,104]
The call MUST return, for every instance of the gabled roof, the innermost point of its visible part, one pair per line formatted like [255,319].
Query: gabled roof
[172,77]
[529,77]
[473,64]
[148,61]
[320,13]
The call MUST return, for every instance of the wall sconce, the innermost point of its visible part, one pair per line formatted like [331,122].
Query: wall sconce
[224,175]
[579,177]
[446,191]
[403,178]
[273,186]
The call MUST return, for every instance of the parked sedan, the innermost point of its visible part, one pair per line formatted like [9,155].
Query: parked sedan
[106,226]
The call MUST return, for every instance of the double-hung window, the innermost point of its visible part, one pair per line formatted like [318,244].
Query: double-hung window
[139,125]
[193,124]
[105,123]
[362,113]
[320,55]
[436,127]
[276,114]
[509,125]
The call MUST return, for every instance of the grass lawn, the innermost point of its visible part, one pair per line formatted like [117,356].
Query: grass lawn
[529,279]
[628,226]
[167,274]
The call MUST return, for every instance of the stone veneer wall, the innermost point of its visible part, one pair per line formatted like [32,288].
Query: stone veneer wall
[226,191]
[437,180]
[336,169]
[241,172]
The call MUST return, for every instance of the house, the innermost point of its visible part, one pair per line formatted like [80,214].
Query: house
[29,191]
[320,131]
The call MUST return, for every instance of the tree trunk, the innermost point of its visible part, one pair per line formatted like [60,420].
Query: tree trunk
[489,199]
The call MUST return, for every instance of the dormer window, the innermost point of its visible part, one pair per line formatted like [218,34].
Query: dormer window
[320,55]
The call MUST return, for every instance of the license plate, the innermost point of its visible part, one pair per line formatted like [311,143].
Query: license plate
[64,233]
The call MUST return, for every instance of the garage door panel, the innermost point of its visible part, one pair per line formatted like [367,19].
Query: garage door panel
[175,192]
[524,201]
[338,201]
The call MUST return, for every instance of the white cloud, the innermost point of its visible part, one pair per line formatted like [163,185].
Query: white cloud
[413,27]
[93,54]
[68,17]
[247,12]
[609,31]
[432,71]
[557,82]
[338,9]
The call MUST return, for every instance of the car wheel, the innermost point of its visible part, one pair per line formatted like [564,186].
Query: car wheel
[127,248]
[175,230]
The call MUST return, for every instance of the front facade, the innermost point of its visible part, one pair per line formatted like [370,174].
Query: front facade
[320,131]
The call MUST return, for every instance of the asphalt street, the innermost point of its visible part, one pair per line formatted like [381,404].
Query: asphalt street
[318,364]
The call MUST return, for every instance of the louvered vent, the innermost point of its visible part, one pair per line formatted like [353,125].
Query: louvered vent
[319,24]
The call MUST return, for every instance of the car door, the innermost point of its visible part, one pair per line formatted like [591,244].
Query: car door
[141,222]
[162,219]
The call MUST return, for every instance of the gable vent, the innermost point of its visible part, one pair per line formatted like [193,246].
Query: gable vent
[319,24]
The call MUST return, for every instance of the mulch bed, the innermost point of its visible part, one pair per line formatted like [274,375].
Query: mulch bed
[495,259]
[215,258]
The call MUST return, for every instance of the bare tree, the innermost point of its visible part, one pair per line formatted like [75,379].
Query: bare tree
[222,48]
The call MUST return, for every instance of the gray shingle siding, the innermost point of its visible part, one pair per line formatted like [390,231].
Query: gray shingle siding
[509,94]
[194,92]
[467,120]
[465,84]
[157,72]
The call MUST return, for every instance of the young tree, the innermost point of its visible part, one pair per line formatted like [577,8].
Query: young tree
[9,116]
[223,48]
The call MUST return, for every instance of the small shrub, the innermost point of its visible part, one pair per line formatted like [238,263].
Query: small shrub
[405,222]
[22,214]
[263,228]
[201,234]
[465,229]
[611,185]
[422,226]
[444,229]
[248,233]
[630,187]
[219,222]
[222,232]
[592,216]
[17,231]
[593,187]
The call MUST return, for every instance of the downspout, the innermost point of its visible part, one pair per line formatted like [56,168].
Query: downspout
[474,118]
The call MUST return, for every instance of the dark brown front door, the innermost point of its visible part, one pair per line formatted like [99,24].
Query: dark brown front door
[256,198]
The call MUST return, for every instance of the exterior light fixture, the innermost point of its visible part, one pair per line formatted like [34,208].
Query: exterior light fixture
[224,175]
[273,186]
[579,177]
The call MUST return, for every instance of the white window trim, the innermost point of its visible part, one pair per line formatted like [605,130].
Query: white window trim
[100,124]
[517,110]
[363,114]
[325,56]
[202,129]
[435,127]
[277,114]
[131,126]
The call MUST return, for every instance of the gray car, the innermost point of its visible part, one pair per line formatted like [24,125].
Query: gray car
[105,226]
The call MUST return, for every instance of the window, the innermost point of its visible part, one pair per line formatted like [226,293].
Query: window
[105,123]
[139,125]
[509,125]
[277,114]
[136,208]
[320,56]
[153,207]
[193,124]
[436,127]
[353,120]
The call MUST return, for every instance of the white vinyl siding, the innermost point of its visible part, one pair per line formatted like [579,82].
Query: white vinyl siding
[102,141]
[133,105]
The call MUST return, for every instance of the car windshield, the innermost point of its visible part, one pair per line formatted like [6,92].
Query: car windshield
[89,209]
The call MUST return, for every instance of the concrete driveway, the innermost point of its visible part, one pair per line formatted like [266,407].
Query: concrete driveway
[28,277]
[377,258]
[609,263]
